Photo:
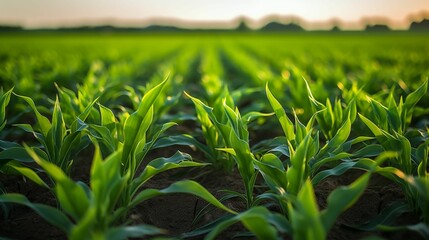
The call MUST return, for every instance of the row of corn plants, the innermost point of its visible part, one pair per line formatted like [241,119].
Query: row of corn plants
[319,128]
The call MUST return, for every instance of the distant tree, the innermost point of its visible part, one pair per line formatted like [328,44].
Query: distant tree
[420,26]
[9,28]
[377,28]
[279,27]
[242,27]
[160,28]
[335,29]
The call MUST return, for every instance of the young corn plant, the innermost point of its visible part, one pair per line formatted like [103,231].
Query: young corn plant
[390,126]
[214,139]
[331,118]
[261,223]
[302,219]
[133,148]
[4,101]
[60,143]
[107,131]
[75,105]
[231,127]
[94,211]
[416,185]
[307,222]
[13,159]
[409,167]
[303,149]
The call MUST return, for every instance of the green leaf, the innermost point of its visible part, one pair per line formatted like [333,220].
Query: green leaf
[380,113]
[387,216]
[340,156]
[87,110]
[103,136]
[256,219]
[44,123]
[273,171]
[159,165]
[316,104]
[137,123]
[16,153]
[71,196]
[84,228]
[373,127]
[371,150]
[342,134]
[50,214]
[26,127]
[141,153]
[298,170]
[228,150]
[285,122]
[135,130]
[25,171]
[106,181]
[363,164]
[4,101]
[107,118]
[186,186]
[336,171]
[304,215]
[420,228]
[422,153]
[137,231]
[251,116]
[58,127]
[405,154]
[415,96]
[6,144]
[182,140]
[343,198]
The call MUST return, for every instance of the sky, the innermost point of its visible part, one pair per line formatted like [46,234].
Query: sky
[53,13]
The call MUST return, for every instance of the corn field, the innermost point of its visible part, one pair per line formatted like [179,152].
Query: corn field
[214,136]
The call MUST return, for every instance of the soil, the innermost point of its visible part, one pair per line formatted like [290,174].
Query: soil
[176,212]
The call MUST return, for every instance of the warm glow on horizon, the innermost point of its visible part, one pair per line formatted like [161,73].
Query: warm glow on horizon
[51,13]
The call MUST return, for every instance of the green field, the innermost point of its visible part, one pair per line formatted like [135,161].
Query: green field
[324,135]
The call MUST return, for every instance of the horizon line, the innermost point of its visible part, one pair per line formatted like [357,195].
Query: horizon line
[229,24]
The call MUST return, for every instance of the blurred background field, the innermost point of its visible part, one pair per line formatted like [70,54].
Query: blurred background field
[44,58]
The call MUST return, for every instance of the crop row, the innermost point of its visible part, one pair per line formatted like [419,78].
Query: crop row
[283,115]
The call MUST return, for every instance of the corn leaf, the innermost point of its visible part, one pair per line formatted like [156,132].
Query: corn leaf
[17,167]
[138,122]
[285,122]
[137,231]
[186,186]
[256,219]
[44,123]
[304,215]
[159,165]
[342,198]
[16,153]
[273,171]
[386,217]
[50,214]
[71,196]
[4,101]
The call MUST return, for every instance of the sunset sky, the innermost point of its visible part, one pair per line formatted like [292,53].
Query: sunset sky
[51,13]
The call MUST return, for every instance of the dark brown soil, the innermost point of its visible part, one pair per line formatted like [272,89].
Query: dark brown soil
[22,222]
[176,212]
